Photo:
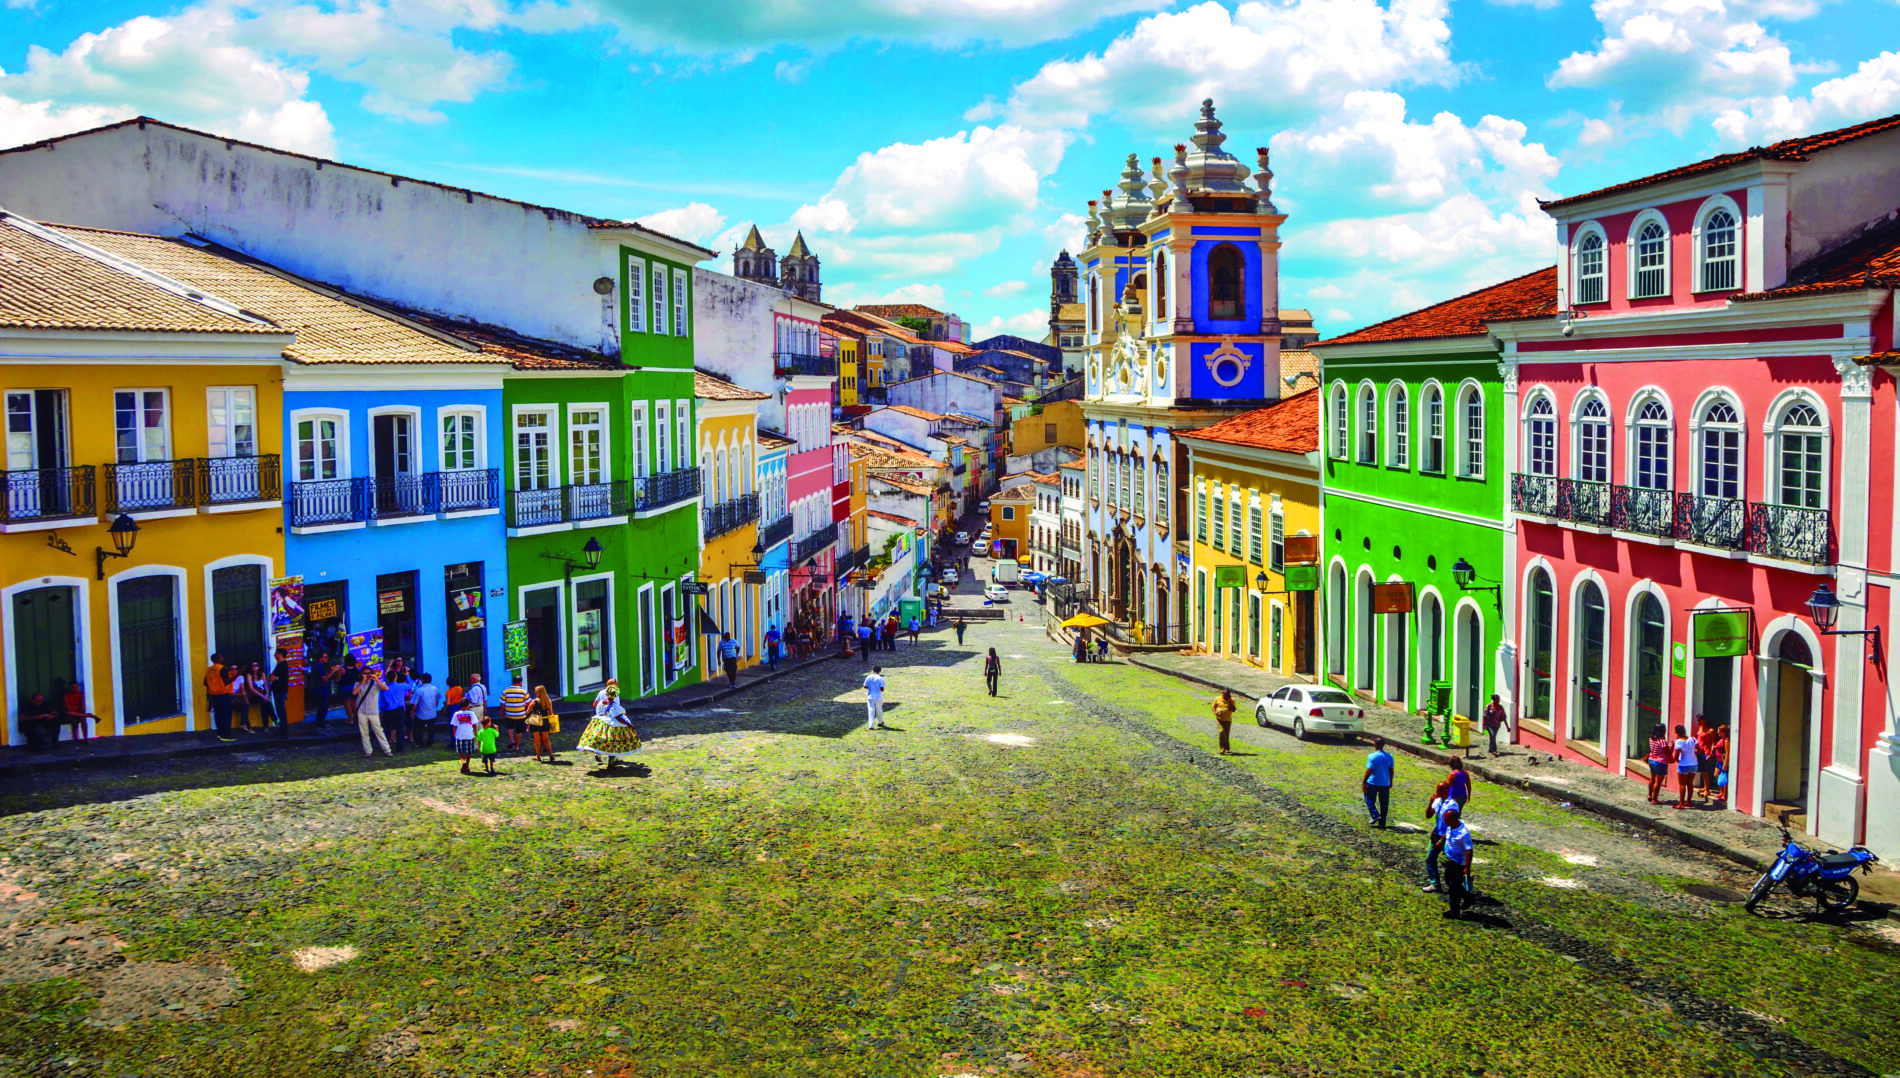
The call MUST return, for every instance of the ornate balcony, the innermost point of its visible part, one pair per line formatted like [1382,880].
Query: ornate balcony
[853,559]
[1716,522]
[597,501]
[653,492]
[46,494]
[1584,502]
[468,491]
[790,363]
[399,496]
[151,487]
[1643,511]
[771,535]
[1790,532]
[1534,494]
[537,508]
[729,515]
[237,480]
[816,543]
[331,502]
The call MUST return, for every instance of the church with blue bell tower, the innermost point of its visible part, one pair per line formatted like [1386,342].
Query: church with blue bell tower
[1181,297]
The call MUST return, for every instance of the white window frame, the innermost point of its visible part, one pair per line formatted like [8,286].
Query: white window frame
[636,294]
[663,443]
[1398,431]
[657,298]
[1433,427]
[555,440]
[1775,429]
[1577,275]
[1366,407]
[1531,463]
[462,411]
[1701,428]
[680,305]
[1341,416]
[1164,499]
[230,424]
[1632,255]
[1470,455]
[573,426]
[683,432]
[1699,241]
[139,393]
[316,415]
[638,413]
[1633,451]
[417,457]
[1276,536]
[1580,425]
[1256,531]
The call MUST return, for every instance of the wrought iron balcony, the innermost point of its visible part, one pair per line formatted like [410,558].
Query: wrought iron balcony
[1584,502]
[801,363]
[776,532]
[537,508]
[853,559]
[596,501]
[1643,511]
[34,494]
[730,515]
[330,502]
[1534,494]
[465,491]
[399,496]
[652,492]
[814,544]
[236,480]
[1716,522]
[150,487]
[1792,532]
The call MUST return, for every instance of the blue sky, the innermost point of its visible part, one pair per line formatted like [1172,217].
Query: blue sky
[943,152]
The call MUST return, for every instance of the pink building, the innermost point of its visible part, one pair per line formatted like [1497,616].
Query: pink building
[806,362]
[1704,440]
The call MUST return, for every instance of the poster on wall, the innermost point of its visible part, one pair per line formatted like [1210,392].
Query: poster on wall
[286,605]
[514,645]
[368,649]
[682,644]
[291,644]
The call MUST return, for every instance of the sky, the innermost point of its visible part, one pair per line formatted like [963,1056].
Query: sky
[942,152]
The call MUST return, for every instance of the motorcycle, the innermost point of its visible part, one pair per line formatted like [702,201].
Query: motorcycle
[1827,877]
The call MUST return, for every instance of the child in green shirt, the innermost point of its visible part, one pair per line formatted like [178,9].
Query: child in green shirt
[486,740]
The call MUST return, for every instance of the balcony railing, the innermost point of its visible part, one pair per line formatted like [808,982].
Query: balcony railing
[1643,510]
[853,559]
[150,487]
[235,480]
[814,544]
[596,501]
[537,508]
[730,515]
[652,492]
[801,363]
[1789,531]
[466,491]
[47,494]
[1716,522]
[776,532]
[1584,502]
[1535,494]
[331,501]
[399,496]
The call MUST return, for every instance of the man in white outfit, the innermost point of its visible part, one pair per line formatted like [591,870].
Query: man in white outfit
[874,698]
[476,697]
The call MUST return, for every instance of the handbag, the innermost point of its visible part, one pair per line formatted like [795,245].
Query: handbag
[554,724]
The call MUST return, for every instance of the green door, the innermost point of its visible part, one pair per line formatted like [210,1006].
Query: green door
[237,600]
[45,642]
[148,648]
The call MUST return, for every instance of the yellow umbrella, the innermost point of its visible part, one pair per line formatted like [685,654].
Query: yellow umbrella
[1084,621]
[1025,559]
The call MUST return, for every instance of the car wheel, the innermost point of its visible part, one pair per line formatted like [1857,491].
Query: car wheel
[1299,727]
[1260,716]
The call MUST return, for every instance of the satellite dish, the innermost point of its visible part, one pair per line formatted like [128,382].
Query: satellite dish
[604,286]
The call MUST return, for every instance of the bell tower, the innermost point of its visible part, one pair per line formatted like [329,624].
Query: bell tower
[754,261]
[798,270]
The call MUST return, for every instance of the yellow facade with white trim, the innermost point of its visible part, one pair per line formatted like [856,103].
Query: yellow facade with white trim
[1261,623]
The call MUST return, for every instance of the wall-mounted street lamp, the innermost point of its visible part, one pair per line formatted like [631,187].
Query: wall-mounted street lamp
[590,555]
[1825,609]
[125,536]
[1261,581]
[1466,577]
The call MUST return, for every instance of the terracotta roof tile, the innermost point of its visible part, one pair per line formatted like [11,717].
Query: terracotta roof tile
[1871,260]
[47,284]
[1071,312]
[1288,426]
[1021,492]
[919,413]
[1528,296]
[908,486]
[1297,364]
[891,517]
[899,310]
[707,387]
[1794,149]
[772,439]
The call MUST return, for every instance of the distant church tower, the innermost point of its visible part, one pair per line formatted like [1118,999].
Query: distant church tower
[754,261]
[1062,278]
[798,271]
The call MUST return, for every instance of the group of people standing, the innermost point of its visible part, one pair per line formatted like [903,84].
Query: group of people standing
[1697,756]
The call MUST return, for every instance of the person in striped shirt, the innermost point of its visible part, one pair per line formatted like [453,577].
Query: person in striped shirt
[514,712]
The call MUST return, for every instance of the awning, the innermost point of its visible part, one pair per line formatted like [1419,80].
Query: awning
[1084,621]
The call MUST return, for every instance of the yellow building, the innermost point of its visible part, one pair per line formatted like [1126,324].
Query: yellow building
[729,521]
[1254,482]
[141,522]
[1058,424]
[850,344]
[1009,519]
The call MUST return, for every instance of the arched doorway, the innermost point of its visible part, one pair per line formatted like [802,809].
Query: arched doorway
[1431,639]
[1336,622]
[1398,654]
[1363,643]
[1787,725]
[1468,686]
[1161,605]
[1121,576]
[1540,651]
[1649,663]
[1592,649]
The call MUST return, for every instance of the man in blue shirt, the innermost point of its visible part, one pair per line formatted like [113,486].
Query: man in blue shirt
[1457,862]
[729,656]
[773,638]
[1442,803]
[1377,783]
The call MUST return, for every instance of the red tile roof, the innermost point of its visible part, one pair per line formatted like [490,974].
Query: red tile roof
[1290,426]
[1794,149]
[1528,296]
[899,310]
[708,387]
[1871,260]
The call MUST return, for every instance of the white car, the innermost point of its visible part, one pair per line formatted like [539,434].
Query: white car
[981,549]
[949,577]
[1310,709]
[963,538]
[983,506]
[995,592]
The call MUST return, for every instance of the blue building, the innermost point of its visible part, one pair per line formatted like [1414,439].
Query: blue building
[775,529]
[1181,323]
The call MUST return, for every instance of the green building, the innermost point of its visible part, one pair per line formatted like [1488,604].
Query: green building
[1415,542]
[602,497]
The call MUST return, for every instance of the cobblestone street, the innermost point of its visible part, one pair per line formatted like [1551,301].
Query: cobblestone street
[1062,880]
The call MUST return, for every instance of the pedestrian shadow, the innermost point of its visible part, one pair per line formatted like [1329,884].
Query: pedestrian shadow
[621,771]
[887,726]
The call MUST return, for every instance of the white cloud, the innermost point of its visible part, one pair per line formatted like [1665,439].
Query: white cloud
[1065,233]
[1005,288]
[1541,5]
[695,221]
[29,121]
[851,293]
[968,179]
[1291,59]
[1367,143]
[1596,133]
[1033,325]
[791,72]
[714,26]
[1873,90]
[1462,231]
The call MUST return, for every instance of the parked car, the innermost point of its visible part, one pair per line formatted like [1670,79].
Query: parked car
[995,592]
[963,538]
[949,576]
[981,549]
[983,506]
[1310,709]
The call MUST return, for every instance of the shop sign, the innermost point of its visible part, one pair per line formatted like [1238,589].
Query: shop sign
[751,576]
[1679,659]
[1392,598]
[368,649]
[514,645]
[390,602]
[1302,578]
[1302,549]
[292,646]
[467,600]
[286,605]
[466,624]
[1230,576]
[322,610]
[1721,634]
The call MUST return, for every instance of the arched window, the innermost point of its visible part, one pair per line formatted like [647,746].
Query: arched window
[1164,496]
[1161,288]
[1094,302]
[1140,503]
[1227,283]
[1593,442]
[1540,437]
[1800,457]
[1593,624]
[1719,250]
[1140,286]
[1339,421]
[1654,437]
[1719,451]
[1368,425]
[1590,272]
[1649,260]
[1398,429]
[1651,643]
[1434,420]
[1471,433]
[719,488]
[1542,653]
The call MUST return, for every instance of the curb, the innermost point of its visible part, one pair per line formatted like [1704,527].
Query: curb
[31,765]
[1587,802]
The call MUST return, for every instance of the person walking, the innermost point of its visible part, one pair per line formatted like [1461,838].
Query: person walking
[913,630]
[1376,784]
[1688,766]
[874,698]
[1435,810]
[369,711]
[541,723]
[864,641]
[992,670]
[217,682]
[280,693]
[610,735]
[462,728]
[392,700]
[1460,783]
[1662,752]
[1705,736]
[729,657]
[1224,715]
[1457,862]
[428,703]
[959,627]
[487,741]
[1494,719]
[514,712]
[773,640]
[476,697]
[318,677]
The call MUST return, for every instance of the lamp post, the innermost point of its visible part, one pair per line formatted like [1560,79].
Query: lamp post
[125,536]
[1825,608]
[590,555]
[1465,575]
